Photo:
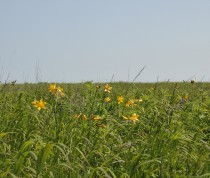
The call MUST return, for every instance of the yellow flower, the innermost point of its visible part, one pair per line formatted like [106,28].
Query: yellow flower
[77,116]
[185,97]
[140,100]
[96,118]
[131,103]
[39,104]
[134,118]
[101,125]
[98,87]
[124,117]
[107,99]
[56,90]
[120,99]
[108,88]
[60,91]
[84,117]
[52,88]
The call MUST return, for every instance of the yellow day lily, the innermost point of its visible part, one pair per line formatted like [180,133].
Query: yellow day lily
[108,88]
[84,117]
[185,97]
[98,87]
[131,103]
[120,99]
[126,118]
[107,99]
[140,100]
[56,90]
[52,88]
[77,116]
[96,118]
[39,104]
[101,125]
[60,91]
[134,118]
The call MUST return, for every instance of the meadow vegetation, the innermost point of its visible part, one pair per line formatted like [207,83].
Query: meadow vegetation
[117,130]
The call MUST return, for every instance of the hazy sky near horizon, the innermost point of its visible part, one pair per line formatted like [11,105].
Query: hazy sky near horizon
[75,41]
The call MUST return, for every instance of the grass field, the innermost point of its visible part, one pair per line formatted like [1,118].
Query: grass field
[105,130]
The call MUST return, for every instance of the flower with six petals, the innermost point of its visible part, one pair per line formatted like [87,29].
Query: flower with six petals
[108,88]
[39,104]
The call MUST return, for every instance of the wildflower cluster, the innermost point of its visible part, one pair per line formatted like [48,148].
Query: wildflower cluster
[58,91]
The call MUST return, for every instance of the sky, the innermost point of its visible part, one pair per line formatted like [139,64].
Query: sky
[103,40]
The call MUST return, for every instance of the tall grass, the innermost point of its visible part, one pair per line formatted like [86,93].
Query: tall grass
[81,135]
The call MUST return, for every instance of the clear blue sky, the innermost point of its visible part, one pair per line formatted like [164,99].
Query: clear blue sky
[74,41]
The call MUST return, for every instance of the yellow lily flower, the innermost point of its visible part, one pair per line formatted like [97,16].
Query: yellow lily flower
[39,104]
[131,103]
[134,118]
[52,88]
[84,117]
[108,88]
[107,99]
[96,118]
[120,99]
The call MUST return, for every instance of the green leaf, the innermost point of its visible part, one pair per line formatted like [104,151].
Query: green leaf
[44,154]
